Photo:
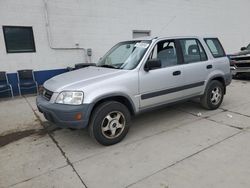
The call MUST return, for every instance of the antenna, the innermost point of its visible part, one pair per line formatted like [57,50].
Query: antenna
[167,24]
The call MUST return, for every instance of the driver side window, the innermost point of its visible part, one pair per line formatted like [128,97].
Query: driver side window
[166,52]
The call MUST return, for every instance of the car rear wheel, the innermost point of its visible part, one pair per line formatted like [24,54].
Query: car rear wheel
[109,123]
[213,95]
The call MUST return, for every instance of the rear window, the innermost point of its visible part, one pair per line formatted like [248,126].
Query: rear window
[215,47]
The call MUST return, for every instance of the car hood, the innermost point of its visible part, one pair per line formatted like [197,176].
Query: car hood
[76,80]
[244,52]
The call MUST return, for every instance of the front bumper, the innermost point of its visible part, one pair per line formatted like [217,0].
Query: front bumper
[64,115]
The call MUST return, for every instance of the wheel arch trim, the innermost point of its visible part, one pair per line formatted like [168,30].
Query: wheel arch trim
[116,96]
[218,77]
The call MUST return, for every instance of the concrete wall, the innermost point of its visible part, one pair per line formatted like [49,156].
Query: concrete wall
[99,24]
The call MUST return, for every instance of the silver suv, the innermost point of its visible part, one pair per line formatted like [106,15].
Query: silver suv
[135,76]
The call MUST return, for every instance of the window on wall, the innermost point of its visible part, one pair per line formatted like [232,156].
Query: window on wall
[141,33]
[19,39]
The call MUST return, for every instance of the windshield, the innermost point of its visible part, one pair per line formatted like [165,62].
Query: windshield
[125,55]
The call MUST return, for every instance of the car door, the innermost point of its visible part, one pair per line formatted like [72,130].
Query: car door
[162,85]
[196,66]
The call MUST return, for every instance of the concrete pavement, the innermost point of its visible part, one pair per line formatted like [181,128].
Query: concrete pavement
[180,146]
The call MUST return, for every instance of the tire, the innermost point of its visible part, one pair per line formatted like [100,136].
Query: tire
[213,95]
[237,76]
[109,123]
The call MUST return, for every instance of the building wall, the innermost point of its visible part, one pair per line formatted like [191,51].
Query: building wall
[99,24]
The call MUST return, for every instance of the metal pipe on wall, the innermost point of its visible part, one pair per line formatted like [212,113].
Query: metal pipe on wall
[49,35]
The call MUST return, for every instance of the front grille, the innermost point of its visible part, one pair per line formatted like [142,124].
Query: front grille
[243,65]
[47,94]
[241,58]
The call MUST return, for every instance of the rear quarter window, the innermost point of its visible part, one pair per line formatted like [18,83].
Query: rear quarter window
[215,47]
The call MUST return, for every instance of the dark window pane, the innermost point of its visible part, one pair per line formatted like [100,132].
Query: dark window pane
[19,39]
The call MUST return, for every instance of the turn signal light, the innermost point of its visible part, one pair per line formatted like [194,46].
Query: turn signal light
[78,116]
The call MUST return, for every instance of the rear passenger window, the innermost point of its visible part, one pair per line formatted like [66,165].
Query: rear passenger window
[192,51]
[215,47]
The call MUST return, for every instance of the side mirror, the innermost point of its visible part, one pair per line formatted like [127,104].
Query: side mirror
[243,48]
[152,64]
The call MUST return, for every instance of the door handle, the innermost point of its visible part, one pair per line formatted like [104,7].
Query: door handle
[176,73]
[209,66]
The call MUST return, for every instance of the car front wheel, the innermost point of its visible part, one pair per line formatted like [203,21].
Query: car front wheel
[109,123]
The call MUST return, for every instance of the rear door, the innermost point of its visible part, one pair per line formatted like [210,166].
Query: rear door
[196,66]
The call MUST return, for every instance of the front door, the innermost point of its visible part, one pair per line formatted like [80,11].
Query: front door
[196,66]
[162,85]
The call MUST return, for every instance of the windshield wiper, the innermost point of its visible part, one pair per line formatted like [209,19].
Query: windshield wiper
[108,66]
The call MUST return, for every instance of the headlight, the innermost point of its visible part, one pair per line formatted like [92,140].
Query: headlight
[70,97]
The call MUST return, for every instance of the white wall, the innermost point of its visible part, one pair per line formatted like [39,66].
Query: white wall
[99,24]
